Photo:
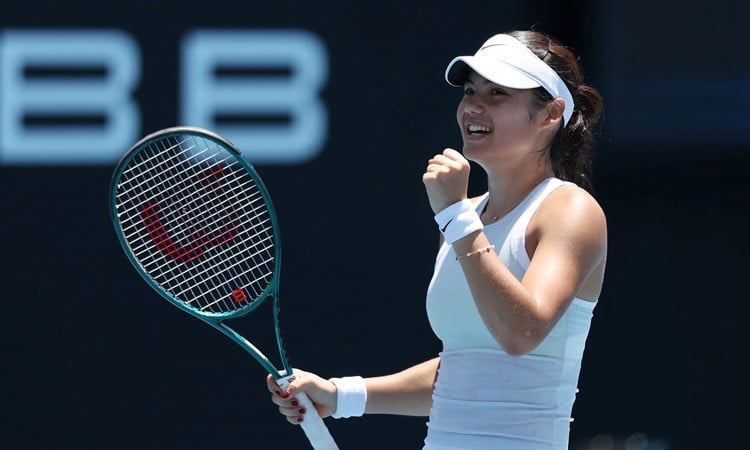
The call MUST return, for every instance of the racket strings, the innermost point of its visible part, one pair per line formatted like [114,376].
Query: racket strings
[205,291]
[224,212]
[152,193]
[139,171]
[188,283]
[197,223]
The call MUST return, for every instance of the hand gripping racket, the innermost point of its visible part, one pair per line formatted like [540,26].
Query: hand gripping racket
[198,224]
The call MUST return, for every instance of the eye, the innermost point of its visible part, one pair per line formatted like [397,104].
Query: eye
[468,90]
[497,91]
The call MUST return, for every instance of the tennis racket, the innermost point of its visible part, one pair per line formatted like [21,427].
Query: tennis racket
[198,224]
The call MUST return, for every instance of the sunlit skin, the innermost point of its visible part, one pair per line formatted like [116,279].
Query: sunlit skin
[565,240]
[508,146]
[507,132]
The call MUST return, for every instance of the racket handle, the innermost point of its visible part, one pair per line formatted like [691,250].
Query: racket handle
[313,426]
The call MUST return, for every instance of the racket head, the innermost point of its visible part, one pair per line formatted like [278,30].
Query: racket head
[197,222]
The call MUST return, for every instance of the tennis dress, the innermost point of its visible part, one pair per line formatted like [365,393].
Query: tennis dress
[483,397]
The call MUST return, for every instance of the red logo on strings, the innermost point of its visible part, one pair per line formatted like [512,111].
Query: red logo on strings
[239,295]
[201,238]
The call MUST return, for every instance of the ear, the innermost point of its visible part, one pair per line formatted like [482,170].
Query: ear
[552,114]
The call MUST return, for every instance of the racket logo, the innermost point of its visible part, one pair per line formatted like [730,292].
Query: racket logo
[211,225]
[238,295]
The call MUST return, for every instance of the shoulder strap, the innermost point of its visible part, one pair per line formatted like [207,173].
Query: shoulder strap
[517,235]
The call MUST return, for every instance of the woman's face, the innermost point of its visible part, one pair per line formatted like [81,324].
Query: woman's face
[495,121]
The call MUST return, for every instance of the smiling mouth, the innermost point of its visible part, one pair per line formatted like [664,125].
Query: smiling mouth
[478,129]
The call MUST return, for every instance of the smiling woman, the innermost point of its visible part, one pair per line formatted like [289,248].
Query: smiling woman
[547,85]
[519,270]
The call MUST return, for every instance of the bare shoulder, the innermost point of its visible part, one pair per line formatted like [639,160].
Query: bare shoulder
[571,213]
[570,203]
[570,225]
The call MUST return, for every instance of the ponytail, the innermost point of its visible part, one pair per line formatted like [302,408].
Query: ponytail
[571,147]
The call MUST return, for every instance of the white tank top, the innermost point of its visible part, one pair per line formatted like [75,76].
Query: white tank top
[485,398]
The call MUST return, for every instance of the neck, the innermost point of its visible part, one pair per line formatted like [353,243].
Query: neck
[509,189]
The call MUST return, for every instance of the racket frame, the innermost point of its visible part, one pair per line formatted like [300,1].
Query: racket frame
[215,319]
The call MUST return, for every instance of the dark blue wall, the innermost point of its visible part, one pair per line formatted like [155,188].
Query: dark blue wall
[92,358]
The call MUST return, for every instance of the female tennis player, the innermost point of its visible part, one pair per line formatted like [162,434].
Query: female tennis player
[519,270]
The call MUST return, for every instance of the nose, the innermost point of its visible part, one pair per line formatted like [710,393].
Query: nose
[472,106]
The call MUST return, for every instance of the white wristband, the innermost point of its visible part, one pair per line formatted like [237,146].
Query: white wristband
[458,220]
[351,397]
[443,217]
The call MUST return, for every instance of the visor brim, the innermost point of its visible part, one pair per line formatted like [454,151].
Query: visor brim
[492,70]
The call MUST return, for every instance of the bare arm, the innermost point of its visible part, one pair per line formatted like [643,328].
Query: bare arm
[566,240]
[408,392]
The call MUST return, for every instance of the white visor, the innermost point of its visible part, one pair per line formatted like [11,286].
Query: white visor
[505,61]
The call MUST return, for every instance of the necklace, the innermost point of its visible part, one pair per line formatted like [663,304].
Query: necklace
[493,218]
[499,215]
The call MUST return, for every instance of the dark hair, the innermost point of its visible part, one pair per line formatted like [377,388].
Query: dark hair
[570,150]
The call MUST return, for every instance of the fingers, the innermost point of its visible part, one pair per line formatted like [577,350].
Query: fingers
[289,406]
[448,162]
[271,384]
[450,156]
[453,154]
[321,393]
[450,153]
[446,178]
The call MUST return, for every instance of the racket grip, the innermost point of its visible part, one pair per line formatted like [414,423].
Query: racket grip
[313,426]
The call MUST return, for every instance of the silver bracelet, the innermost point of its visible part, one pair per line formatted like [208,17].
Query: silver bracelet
[476,252]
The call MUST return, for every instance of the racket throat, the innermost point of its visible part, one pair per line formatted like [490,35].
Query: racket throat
[250,348]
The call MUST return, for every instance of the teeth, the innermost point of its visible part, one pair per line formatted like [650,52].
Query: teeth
[479,129]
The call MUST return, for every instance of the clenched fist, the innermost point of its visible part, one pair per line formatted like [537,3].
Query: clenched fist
[446,179]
